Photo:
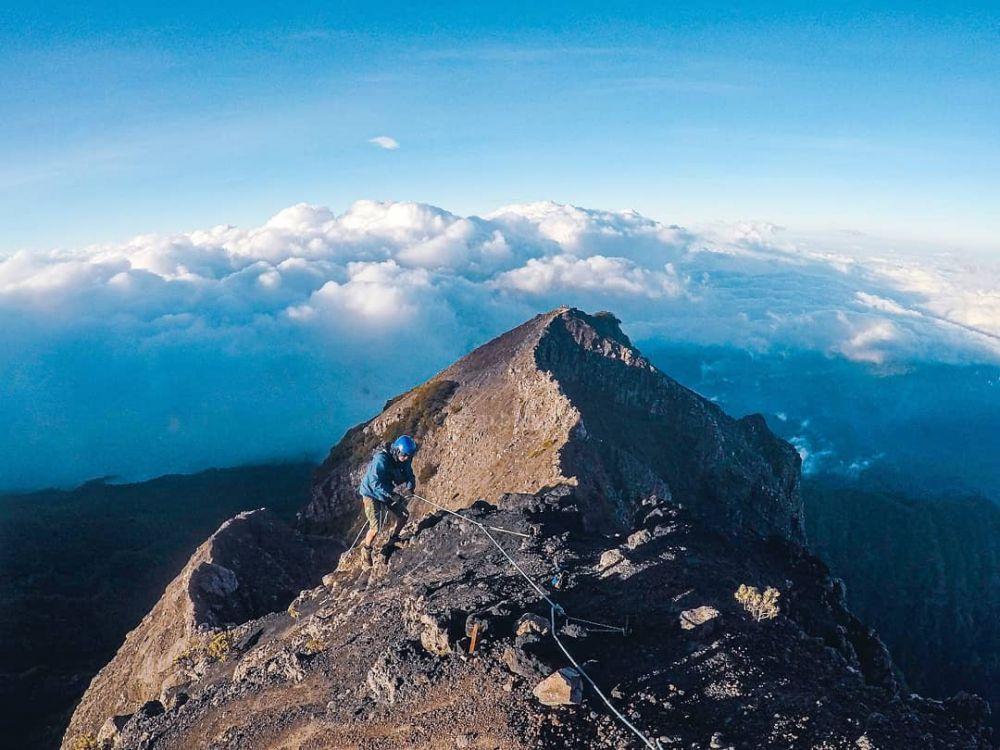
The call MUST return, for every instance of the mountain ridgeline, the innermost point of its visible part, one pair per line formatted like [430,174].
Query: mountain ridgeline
[668,534]
[566,398]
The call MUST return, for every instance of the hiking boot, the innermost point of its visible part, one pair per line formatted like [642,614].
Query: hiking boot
[387,551]
[366,556]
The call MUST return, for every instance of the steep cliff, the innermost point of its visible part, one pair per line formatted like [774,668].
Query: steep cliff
[82,567]
[942,620]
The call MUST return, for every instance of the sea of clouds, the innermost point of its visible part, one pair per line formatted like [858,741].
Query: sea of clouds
[226,345]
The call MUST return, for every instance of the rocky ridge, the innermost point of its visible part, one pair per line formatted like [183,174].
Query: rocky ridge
[643,506]
[566,398]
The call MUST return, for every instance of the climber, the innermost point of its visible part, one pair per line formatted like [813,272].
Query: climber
[389,468]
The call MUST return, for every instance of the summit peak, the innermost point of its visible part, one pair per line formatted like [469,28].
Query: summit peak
[566,398]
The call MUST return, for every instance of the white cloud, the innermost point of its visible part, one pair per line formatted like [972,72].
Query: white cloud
[612,276]
[254,341]
[385,141]
[881,303]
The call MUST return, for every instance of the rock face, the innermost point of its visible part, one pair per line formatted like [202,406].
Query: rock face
[634,503]
[254,564]
[566,398]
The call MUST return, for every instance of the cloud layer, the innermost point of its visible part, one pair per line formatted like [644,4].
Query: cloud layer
[229,344]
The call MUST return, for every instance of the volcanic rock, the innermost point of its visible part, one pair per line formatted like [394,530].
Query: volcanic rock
[111,728]
[532,623]
[561,688]
[698,618]
[254,564]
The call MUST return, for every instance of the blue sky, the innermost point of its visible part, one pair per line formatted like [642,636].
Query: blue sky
[137,117]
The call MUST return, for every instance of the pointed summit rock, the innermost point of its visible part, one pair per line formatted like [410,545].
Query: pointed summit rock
[567,399]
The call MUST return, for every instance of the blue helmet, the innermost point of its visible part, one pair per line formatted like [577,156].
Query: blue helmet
[404,445]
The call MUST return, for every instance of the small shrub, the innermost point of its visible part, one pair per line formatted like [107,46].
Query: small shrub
[85,742]
[220,646]
[313,646]
[189,655]
[760,606]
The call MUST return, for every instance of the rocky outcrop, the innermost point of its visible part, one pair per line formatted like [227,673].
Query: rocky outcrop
[381,659]
[566,398]
[254,564]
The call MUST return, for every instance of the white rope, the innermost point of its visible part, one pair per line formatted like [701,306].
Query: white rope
[470,520]
[355,542]
[535,586]
[364,526]
[655,745]
[602,625]
[554,608]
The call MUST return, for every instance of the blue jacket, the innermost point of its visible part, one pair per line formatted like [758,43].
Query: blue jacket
[383,474]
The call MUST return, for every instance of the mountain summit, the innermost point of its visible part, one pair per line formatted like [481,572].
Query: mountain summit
[613,563]
[566,399]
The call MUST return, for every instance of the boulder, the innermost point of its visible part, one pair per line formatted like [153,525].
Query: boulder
[111,728]
[532,623]
[561,688]
[701,618]
[638,539]
[434,635]
[610,559]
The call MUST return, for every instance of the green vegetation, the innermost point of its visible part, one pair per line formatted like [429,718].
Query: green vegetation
[545,446]
[313,646]
[189,656]
[216,648]
[85,742]
[220,645]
